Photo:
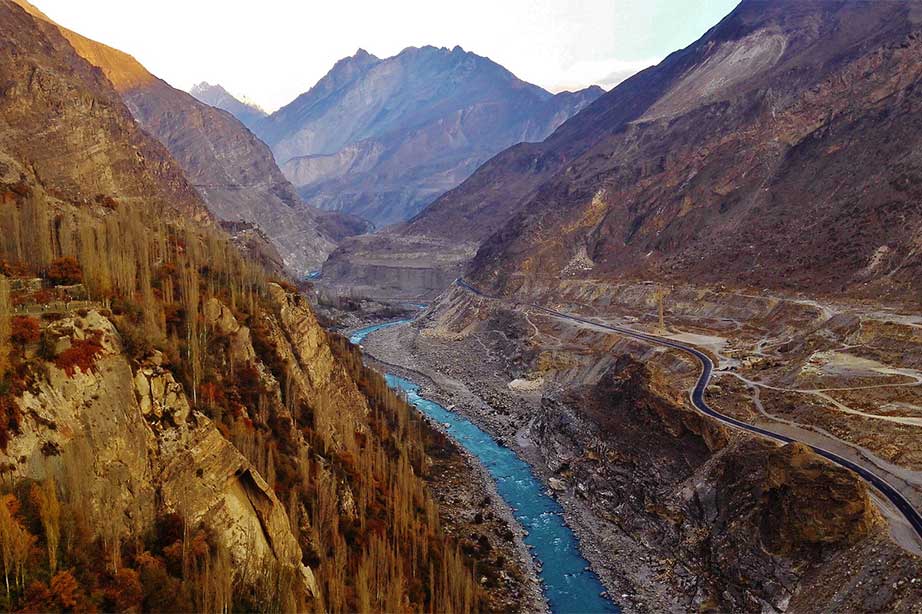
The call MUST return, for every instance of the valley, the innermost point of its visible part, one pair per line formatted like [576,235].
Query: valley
[530,373]
[430,337]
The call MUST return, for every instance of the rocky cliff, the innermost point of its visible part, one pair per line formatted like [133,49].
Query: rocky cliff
[383,138]
[124,443]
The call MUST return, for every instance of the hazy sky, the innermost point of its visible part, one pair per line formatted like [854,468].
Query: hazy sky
[272,50]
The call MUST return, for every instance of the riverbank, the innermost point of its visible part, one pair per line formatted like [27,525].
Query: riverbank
[471,510]
[621,561]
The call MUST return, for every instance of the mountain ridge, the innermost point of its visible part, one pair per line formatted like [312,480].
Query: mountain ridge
[381,138]
[215,95]
[230,167]
[635,179]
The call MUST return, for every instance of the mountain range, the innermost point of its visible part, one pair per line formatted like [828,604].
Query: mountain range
[381,138]
[779,150]
[689,314]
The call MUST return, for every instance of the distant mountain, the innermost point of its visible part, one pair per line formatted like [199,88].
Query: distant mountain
[382,138]
[248,113]
[233,170]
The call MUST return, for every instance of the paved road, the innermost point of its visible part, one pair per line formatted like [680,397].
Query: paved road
[697,398]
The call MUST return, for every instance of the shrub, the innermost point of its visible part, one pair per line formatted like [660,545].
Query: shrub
[44,296]
[82,354]
[25,330]
[65,271]
[135,340]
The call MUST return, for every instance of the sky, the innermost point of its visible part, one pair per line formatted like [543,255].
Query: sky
[272,50]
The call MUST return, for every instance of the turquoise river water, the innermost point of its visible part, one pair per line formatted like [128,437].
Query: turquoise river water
[568,584]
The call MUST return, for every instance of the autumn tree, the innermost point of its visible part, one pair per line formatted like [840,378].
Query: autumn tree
[25,330]
[7,540]
[5,325]
[45,498]
[65,271]
[15,542]
[65,589]
[126,593]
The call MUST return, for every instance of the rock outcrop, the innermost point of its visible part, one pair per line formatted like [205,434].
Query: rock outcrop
[127,443]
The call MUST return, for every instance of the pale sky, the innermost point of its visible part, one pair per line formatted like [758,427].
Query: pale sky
[272,50]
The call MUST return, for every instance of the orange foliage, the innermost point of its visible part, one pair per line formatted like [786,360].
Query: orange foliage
[44,296]
[82,354]
[65,589]
[65,271]
[212,394]
[126,592]
[25,330]
[38,598]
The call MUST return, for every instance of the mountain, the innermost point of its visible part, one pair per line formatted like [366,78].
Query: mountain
[232,169]
[178,433]
[248,113]
[779,150]
[381,138]
[93,131]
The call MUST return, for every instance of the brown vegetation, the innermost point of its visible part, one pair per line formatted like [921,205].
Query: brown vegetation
[349,463]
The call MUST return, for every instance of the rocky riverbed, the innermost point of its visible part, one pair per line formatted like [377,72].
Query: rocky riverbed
[478,390]
[672,512]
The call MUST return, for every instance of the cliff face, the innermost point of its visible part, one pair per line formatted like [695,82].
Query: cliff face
[383,138]
[232,170]
[128,448]
[750,157]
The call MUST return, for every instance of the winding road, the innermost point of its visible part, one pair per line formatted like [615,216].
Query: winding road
[697,398]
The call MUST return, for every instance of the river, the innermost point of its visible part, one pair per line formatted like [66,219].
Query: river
[567,582]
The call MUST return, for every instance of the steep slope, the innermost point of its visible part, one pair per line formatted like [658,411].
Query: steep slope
[779,150]
[232,169]
[177,433]
[38,131]
[382,138]
[248,113]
